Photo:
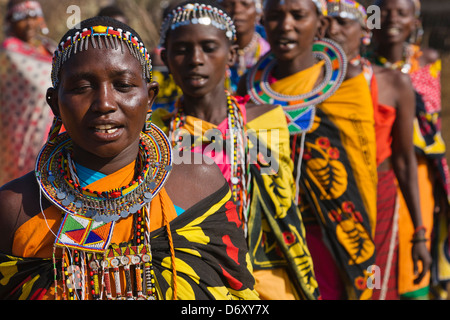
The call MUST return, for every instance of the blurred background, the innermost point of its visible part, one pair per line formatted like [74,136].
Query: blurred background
[145,17]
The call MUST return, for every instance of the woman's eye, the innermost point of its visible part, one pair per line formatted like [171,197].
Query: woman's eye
[123,86]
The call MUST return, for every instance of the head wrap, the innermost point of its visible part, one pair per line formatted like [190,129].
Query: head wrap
[194,13]
[347,9]
[22,10]
[99,32]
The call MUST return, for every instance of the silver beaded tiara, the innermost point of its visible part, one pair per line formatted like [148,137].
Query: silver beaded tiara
[194,13]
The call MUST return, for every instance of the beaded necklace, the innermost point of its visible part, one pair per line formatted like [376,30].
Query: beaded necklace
[88,259]
[404,65]
[237,148]
[299,109]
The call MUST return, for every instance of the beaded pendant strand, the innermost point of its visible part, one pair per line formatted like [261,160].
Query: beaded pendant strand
[236,148]
[91,267]
[299,109]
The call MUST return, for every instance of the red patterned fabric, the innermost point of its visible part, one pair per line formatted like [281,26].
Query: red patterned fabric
[25,117]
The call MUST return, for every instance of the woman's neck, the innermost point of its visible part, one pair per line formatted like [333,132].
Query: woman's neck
[285,68]
[211,107]
[108,165]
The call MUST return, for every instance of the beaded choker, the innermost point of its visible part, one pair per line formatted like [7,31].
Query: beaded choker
[299,109]
[57,177]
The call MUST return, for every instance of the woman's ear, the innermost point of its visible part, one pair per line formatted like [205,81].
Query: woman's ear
[322,26]
[153,89]
[232,55]
[52,100]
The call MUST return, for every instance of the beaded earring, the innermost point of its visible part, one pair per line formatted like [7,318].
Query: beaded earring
[54,130]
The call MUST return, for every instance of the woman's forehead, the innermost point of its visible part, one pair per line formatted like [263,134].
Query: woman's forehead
[102,61]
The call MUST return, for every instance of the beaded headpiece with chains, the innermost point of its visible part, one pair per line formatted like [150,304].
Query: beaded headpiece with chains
[195,13]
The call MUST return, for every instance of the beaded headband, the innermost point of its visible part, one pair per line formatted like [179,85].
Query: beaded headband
[194,13]
[417,8]
[111,37]
[347,9]
[25,9]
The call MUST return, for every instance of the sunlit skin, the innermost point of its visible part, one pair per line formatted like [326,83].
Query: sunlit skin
[291,27]
[103,103]
[245,16]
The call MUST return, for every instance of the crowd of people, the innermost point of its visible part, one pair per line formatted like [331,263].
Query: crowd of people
[276,150]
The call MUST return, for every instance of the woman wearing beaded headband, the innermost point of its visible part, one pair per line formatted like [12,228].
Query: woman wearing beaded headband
[251,45]
[98,210]
[393,99]
[396,47]
[248,142]
[25,65]
[331,130]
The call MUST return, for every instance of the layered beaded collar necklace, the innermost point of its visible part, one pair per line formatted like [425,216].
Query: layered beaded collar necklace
[238,150]
[299,109]
[87,226]
[56,174]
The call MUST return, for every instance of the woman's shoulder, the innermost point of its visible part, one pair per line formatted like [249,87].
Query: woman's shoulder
[193,178]
[429,56]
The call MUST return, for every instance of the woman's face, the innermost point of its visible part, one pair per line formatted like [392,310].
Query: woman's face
[197,57]
[397,21]
[243,13]
[347,33]
[27,29]
[291,26]
[103,99]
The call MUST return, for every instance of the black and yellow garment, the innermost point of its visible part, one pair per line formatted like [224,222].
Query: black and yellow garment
[338,181]
[275,230]
[276,234]
[211,259]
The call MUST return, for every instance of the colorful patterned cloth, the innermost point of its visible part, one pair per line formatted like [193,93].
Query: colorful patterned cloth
[338,183]
[211,259]
[25,117]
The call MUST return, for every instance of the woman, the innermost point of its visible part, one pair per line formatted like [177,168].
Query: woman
[250,145]
[394,114]
[25,65]
[246,15]
[396,47]
[331,127]
[100,211]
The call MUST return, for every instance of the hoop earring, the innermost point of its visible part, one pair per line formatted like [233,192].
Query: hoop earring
[148,121]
